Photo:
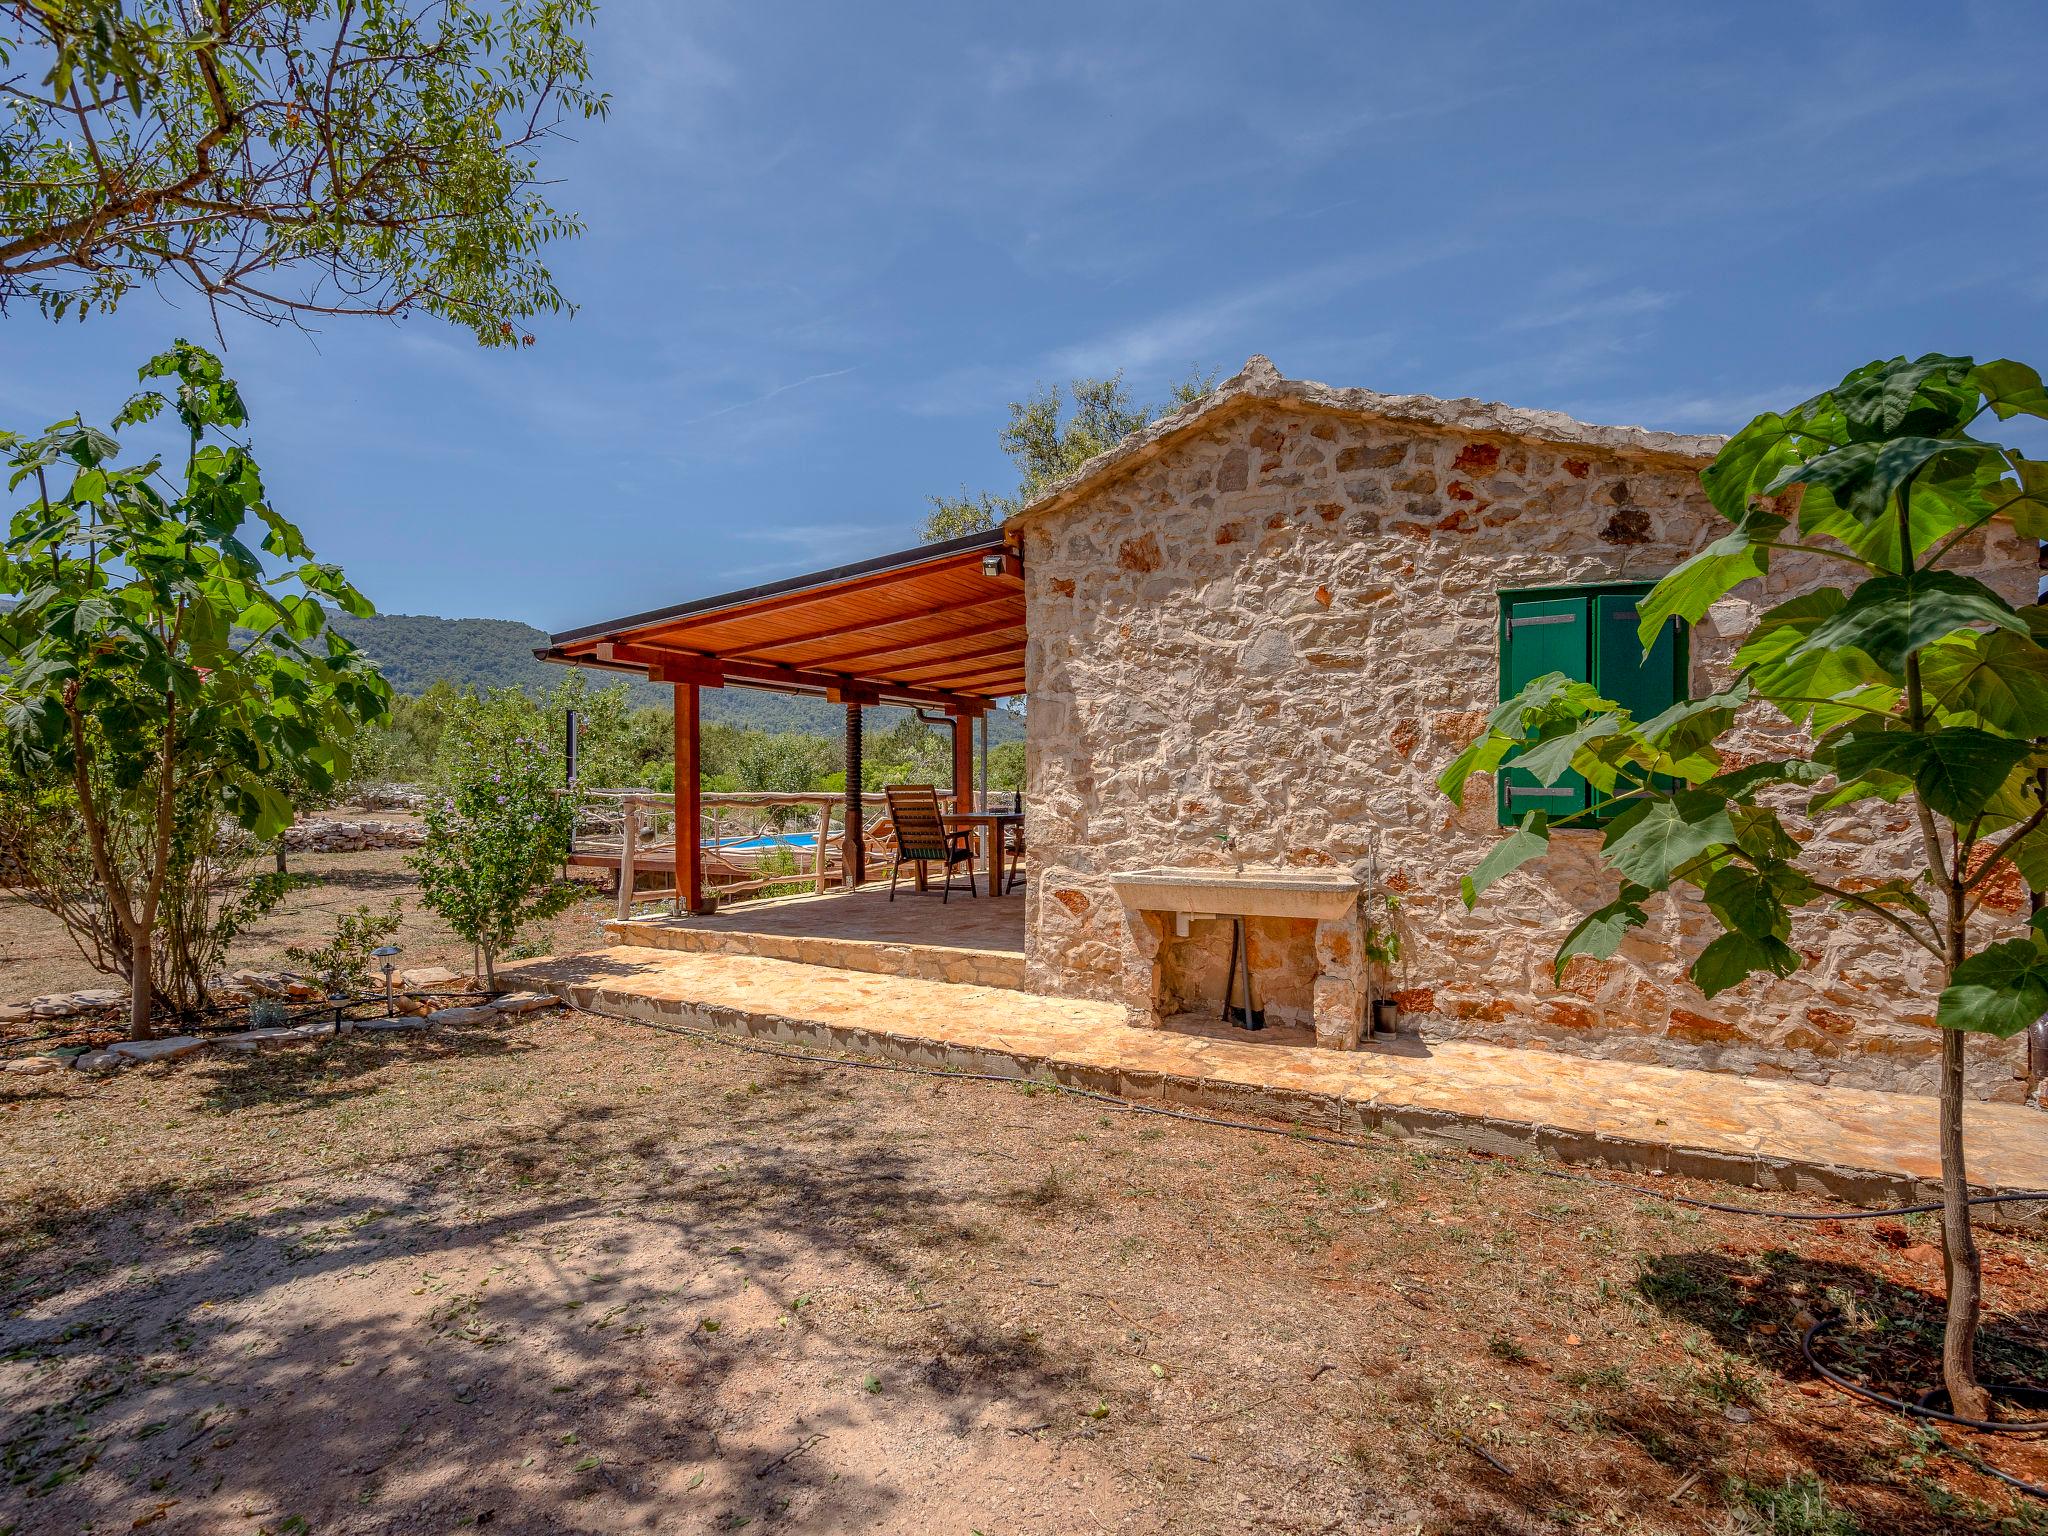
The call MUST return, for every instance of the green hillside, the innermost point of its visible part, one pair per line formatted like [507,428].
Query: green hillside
[417,650]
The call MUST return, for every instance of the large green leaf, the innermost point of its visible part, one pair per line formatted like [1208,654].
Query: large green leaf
[1599,934]
[1956,770]
[1703,579]
[2001,678]
[1530,840]
[1748,461]
[2011,389]
[1889,617]
[1734,957]
[1862,478]
[1931,396]
[1551,759]
[1746,901]
[1649,846]
[1998,991]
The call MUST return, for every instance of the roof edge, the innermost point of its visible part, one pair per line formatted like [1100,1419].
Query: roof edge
[1260,383]
[902,559]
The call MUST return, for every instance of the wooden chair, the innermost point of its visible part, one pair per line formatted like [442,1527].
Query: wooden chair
[922,837]
[1014,849]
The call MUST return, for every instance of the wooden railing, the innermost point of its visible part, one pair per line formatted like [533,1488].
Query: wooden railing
[645,810]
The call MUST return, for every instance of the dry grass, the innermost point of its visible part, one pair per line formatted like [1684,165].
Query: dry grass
[571,1274]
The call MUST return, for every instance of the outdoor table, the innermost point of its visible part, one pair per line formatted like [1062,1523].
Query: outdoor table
[989,826]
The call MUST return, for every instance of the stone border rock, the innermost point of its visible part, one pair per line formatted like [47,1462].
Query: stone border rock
[130,1053]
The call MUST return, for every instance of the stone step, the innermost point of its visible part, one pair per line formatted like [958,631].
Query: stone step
[1859,1145]
[924,962]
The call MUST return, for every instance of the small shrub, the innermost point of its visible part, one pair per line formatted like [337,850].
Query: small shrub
[345,962]
[1799,1506]
[496,838]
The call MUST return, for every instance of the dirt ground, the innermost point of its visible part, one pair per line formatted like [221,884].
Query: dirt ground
[568,1274]
[38,957]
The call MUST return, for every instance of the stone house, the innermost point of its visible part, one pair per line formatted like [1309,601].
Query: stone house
[1259,629]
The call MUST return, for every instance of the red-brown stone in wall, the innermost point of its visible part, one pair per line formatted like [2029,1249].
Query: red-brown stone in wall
[1229,533]
[1570,1015]
[1578,469]
[1458,490]
[1403,737]
[1063,585]
[1268,439]
[1141,554]
[1421,483]
[1476,458]
[1329,511]
[2004,891]
[1687,1025]
[1415,1000]
[1075,902]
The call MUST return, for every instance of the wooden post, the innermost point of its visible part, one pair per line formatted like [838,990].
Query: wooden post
[824,831]
[689,793]
[963,763]
[629,845]
[853,848]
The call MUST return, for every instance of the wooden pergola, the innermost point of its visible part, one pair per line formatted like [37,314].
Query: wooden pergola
[939,627]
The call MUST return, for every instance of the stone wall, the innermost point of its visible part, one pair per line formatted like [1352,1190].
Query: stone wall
[1280,629]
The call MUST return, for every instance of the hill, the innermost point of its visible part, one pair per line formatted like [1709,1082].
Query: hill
[417,650]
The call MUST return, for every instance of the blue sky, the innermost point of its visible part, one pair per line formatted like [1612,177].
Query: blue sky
[828,242]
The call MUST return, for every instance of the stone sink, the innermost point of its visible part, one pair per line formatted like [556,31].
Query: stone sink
[1247,891]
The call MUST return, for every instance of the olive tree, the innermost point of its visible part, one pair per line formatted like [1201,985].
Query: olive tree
[155,667]
[288,158]
[1912,683]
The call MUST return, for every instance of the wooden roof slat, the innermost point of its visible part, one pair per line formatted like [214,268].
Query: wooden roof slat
[901,647]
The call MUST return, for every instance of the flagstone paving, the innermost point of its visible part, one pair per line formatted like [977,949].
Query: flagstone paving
[1856,1144]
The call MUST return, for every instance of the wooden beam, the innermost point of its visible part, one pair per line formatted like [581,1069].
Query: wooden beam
[689,792]
[662,666]
[909,674]
[852,693]
[754,610]
[863,626]
[963,763]
[711,672]
[973,676]
[906,647]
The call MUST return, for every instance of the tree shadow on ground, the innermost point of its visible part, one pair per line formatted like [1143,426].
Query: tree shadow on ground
[514,1328]
[1758,1308]
[293,1080]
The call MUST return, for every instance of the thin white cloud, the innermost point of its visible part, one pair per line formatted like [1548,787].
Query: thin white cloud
[780,389]
[1613,306]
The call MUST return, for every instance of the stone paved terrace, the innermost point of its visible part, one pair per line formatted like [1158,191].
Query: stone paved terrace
[966,939]
[1859,1145]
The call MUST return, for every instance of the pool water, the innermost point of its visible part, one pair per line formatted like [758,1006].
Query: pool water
[746,844]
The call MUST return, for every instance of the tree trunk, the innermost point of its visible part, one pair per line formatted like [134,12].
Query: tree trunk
[490,968]
[1959,1245]
[141,988]
[280,858]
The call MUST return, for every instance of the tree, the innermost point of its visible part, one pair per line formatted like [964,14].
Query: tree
[155,670]
[498,834]
[288,158]
[1046,441]
[1919,685]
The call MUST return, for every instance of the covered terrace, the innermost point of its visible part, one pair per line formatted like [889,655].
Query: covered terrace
[939,629]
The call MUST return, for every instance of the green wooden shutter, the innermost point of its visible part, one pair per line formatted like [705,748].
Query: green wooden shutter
[1541,635]
[1645,686]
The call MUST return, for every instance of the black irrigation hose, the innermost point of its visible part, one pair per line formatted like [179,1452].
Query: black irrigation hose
[1295,1133]
[1922,1411]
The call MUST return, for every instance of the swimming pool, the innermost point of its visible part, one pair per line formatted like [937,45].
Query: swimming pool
[759,844]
